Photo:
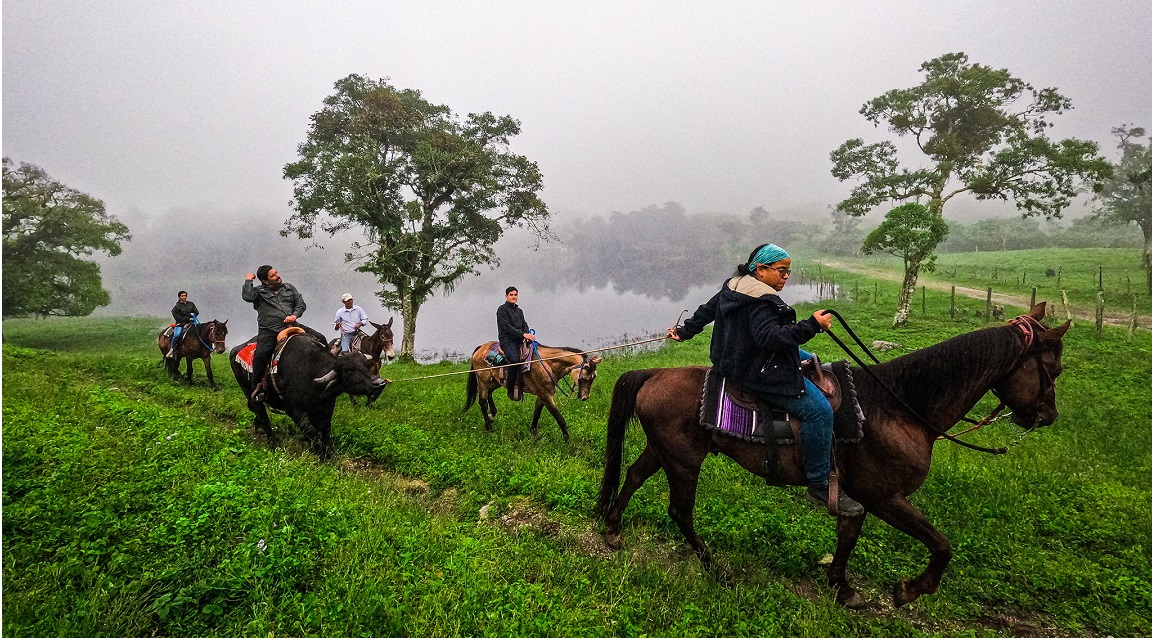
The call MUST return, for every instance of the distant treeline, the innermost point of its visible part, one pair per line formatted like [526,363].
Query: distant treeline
[1014,233]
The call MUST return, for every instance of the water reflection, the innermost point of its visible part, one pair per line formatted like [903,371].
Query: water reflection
[451,327]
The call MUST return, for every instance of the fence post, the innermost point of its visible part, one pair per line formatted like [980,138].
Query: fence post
[988,306]
[876,293]
[924,300]
[1132,324]
[1067,310]
[1100,277]
[952,305]
[1059,272]
[1033,298]
[1024,278]
[1099,313]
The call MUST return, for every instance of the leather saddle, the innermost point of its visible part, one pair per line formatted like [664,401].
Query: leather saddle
[730,409]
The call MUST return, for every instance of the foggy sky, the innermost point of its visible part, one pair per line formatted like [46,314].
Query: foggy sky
[721,106]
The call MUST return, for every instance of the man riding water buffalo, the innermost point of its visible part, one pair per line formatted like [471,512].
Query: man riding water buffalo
[278,306]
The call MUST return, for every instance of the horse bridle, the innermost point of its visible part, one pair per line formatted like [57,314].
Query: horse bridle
[211,335]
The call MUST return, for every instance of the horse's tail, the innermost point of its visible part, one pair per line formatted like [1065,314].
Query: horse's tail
[622,411]
[472,389]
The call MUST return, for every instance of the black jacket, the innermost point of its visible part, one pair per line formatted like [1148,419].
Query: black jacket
[510,324]
[756,340]
[182,312]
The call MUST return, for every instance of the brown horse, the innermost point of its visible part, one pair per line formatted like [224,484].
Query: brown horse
[542,380]
[379,342]
[199,341]
[922,394]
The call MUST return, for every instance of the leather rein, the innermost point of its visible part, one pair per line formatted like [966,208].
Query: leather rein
[1027,325]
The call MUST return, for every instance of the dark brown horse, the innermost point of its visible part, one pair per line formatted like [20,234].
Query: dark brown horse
[936,386]
[199,341]
[374,345]
[542,380]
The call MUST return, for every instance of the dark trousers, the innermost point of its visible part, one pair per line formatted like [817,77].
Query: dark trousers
[266,346]
[511,355]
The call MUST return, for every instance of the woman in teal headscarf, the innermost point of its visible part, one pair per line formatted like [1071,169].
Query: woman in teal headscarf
[756,343]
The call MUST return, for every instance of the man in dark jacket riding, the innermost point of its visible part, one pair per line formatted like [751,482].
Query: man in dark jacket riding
[184,312]
[512,332]
[278,305]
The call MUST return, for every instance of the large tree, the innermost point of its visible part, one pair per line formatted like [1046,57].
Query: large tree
[1127,196]
[912,233]
[982,132]
[431,191]
[48,228]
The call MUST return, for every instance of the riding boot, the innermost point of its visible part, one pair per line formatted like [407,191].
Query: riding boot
[845,504]
[512,380]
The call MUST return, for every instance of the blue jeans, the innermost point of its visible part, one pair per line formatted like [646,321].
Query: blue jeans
[346,341]
[815,415]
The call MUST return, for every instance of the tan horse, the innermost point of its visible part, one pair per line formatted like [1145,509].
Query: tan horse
[542,379]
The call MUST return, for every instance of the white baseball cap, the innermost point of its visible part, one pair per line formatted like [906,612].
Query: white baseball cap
[347,297]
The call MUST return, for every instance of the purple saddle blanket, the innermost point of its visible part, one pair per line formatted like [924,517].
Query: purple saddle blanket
[731,410]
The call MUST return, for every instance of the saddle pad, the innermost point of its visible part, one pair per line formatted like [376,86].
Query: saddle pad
[725,408]
[244,356]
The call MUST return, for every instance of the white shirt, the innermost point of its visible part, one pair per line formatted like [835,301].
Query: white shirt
[349,317]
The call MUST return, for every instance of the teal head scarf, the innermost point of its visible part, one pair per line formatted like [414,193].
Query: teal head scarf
[768,254]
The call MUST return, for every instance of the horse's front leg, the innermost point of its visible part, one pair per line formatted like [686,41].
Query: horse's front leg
[682,481]
[847,533]
[188,374]
[208,373]
[546,401]
[900,513]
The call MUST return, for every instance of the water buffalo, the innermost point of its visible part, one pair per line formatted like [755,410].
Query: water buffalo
[307,381]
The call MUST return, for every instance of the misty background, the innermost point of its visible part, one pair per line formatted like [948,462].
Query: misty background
[673,137]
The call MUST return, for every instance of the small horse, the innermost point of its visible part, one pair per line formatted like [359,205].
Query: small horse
[922,395]
[199,341]
[541,380]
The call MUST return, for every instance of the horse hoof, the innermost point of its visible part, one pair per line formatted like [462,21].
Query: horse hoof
[614,541]
[901,596]
[850,599]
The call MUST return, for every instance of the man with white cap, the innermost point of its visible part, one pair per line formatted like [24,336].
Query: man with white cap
[348,321]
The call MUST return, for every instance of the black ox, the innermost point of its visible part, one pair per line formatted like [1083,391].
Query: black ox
[306,384]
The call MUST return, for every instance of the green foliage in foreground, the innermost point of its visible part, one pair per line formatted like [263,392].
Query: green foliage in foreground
[136,506]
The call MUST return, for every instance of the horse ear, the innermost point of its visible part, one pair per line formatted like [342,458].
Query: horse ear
[389,324]
[1037,311]
[224,323]
[1056,333]
[375,325]
[597,360]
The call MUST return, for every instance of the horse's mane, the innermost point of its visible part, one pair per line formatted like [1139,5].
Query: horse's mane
[933,375]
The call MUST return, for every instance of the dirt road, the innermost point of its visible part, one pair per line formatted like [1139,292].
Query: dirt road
[1055,309]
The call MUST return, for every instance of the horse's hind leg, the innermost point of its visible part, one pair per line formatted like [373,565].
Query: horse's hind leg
[903,515]
[847,533]
[487,405]
[643,469]
[188,374]
[682,482]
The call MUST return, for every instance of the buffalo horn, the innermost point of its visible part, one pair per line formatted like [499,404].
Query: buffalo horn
[328,378]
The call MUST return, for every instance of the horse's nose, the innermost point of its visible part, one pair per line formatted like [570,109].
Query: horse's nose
[379,383]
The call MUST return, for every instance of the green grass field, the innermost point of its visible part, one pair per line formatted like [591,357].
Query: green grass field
[1075,271]
[136,506]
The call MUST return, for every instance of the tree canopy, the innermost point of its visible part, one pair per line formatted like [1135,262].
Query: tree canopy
[1127,196]
[982,131]
[430,190]
[48,228]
